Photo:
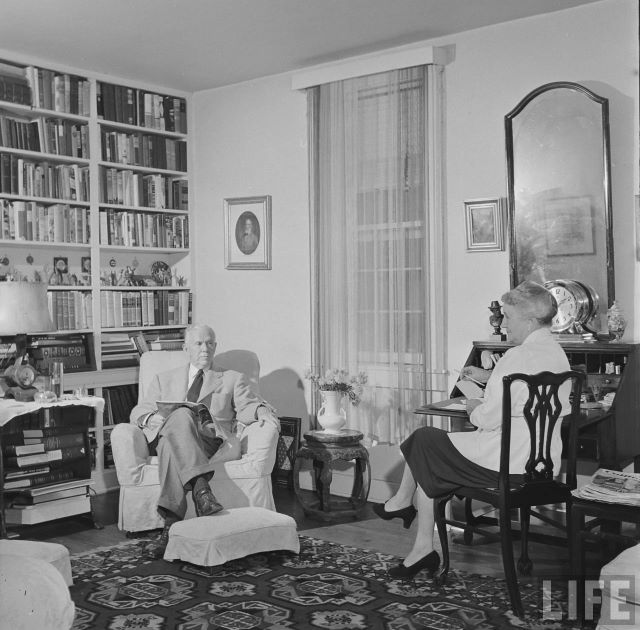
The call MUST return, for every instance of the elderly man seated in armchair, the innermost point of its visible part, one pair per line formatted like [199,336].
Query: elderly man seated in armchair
[186,436]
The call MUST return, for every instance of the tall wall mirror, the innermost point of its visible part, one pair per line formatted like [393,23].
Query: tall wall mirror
[558,170]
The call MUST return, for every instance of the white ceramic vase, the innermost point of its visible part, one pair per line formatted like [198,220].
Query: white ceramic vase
[331,416]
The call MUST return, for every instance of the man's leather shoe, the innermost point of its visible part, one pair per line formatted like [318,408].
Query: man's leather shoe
[205,501]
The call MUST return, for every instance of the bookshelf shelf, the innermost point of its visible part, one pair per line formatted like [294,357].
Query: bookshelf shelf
[142,169]
[48,157]
[45,201]
[132,328]
[30,111]
[37,100]
[47,244]
[151,250]
[110,124]
[122,207]
[144,289]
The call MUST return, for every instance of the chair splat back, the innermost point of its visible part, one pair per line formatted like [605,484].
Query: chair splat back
[550,396]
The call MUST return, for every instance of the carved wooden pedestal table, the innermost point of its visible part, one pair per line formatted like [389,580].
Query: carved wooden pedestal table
[323,449]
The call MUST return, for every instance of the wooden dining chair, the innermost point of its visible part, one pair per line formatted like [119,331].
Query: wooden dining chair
[542,411]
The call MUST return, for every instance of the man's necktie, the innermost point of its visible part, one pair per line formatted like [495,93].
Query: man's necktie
[194,391]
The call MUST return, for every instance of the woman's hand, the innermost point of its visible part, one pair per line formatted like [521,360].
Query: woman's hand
[475,373]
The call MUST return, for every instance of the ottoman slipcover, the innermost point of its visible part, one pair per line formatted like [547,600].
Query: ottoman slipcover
[212,540]
[53,553]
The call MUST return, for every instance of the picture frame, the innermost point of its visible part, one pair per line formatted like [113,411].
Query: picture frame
[569,227]
[247,229]
[288,445]
[484,219]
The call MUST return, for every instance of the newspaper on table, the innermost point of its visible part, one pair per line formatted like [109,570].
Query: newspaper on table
[611,486]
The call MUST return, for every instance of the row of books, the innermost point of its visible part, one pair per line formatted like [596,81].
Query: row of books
[20,176]
[141,108]
[48,135]
[14,87]
[611,486]
[32,221]
[71,310]
[74,351]
[144,150]
[143,229]
[144,308]
[117,350]
[127,188]
[52,492]
[119,401]
[124,350]
[58,91]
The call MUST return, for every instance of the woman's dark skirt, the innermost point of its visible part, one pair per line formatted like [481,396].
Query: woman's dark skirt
[439,467]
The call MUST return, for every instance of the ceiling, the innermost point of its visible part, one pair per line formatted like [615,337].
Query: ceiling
[194,45]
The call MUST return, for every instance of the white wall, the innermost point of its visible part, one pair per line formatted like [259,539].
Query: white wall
[251,141]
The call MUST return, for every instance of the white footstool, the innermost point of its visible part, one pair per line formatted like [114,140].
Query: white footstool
[33,595]
[53,553]
[213,540]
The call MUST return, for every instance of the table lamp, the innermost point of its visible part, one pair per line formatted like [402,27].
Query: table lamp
[24,309]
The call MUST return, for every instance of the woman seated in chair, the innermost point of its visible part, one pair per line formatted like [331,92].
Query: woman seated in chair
[438,462]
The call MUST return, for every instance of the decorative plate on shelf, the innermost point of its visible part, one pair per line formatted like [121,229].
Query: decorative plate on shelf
[161,273]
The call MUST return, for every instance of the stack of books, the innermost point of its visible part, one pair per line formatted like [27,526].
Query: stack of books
[611,486]
[53,492]
[34,457]
[118,350]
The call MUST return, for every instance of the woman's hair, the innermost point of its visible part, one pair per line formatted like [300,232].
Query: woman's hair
[533,300]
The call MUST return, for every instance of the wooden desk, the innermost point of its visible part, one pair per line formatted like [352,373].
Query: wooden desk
[601,419]
[609,436]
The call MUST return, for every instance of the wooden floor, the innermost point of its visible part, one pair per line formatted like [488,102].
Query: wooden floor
[369,532]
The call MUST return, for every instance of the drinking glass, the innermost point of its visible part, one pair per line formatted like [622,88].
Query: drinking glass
[57,378]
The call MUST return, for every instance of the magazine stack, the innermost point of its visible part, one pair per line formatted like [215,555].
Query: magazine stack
[611,486]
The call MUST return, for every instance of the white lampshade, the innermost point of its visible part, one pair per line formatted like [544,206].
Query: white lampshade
[24,308]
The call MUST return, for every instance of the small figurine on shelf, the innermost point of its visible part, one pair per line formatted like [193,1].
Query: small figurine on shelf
[496,320]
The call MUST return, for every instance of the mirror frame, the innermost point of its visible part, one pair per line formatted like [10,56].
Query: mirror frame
[606,181]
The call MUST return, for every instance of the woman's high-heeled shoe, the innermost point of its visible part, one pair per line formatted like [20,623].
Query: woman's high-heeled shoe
[406,514]
[430,563]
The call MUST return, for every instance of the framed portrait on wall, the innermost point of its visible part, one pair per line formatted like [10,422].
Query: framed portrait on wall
[247,229]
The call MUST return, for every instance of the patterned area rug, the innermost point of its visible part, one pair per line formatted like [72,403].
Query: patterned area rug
[327,586]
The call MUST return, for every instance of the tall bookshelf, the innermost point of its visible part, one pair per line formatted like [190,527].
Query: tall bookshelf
[94,195]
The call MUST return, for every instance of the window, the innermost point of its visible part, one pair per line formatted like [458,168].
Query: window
[371,242]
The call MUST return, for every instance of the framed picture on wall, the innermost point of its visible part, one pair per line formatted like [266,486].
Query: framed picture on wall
[247,230]
[484,225]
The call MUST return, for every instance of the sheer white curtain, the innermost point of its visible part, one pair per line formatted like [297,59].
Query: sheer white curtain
[377,229]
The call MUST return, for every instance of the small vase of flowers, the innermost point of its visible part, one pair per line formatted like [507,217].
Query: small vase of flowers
[334,386]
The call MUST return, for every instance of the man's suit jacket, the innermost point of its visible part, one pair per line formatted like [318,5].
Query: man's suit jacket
[226,393]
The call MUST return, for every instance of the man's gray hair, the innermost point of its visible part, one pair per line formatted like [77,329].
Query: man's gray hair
[533,300]
[189,330]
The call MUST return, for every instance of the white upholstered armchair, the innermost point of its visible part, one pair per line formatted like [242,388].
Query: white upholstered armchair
[243,464]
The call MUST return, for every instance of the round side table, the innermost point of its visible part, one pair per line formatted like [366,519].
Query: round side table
[323,449]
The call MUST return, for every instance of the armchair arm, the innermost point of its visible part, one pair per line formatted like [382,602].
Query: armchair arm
[130,453]
[259,448]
